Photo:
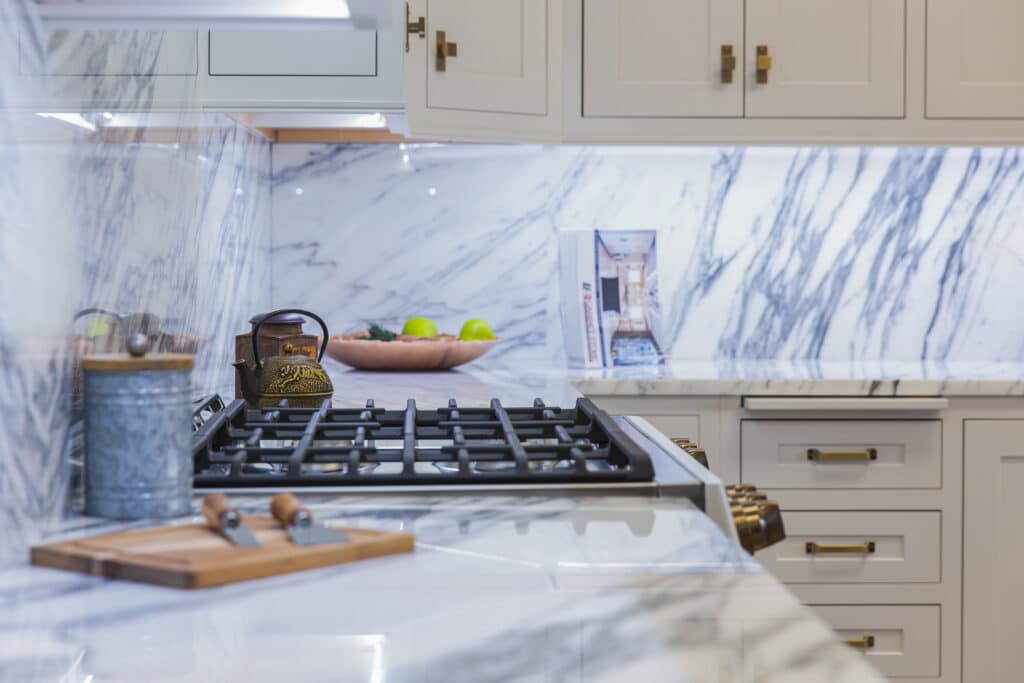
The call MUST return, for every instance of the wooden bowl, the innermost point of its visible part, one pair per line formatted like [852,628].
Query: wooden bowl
[421,354]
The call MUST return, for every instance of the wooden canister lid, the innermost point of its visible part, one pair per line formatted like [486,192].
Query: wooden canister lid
[123,362]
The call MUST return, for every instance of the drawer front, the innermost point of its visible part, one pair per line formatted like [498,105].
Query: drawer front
[857,547]
[842,454]
[900,640]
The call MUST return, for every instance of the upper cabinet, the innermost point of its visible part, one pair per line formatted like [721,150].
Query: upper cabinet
[87,70]
[252,70]
[487,55]
[815,58]
[226,70]
[652,58]
[484,69]
[973,48]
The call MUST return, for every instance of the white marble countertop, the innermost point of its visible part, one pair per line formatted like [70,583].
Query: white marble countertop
[498,589]
[520,383]
[817,378]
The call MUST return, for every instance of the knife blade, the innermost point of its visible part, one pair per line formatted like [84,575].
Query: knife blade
[223,517]
[298,522]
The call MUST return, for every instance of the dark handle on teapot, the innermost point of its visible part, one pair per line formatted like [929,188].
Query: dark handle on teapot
[268,316]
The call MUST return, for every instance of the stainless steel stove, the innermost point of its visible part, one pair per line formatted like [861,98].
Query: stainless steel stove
[533,450]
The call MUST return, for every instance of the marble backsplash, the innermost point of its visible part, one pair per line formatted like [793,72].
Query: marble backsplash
[173,221]
[828,254]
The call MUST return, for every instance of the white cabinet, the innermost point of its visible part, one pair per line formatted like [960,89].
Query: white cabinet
[901,640]
[494,55]
[89,70]
[485,69]
[252,70]
[309,70]
[293,53]
[119,53]
[842,454]
[651,58]
[993,616]
[857,547]
[974,57]
[831,58]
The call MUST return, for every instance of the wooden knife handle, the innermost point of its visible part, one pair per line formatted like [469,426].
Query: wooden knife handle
[287,509]
[216,507]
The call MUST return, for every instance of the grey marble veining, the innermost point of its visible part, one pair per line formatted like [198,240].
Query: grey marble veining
[497,589]
[174,222]
[830,254]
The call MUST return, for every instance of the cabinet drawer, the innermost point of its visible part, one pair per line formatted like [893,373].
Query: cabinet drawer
[857,547]
[900,640]
[293,53]
[842,454]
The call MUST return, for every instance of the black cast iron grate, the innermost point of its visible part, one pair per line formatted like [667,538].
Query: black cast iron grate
[234,447]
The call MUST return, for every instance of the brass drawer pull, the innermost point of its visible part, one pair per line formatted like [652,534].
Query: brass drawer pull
[728,63]
[764,64]
[865,642]
[865,548]
[444,50]
[842,456]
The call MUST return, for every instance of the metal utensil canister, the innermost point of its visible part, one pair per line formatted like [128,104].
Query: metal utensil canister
[138,416]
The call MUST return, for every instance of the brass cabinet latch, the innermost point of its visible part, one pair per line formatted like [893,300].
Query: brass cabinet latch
[418,27]
[728,63]
[764,64]
[443,51]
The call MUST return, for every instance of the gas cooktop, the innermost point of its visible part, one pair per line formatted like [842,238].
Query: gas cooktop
[236,447]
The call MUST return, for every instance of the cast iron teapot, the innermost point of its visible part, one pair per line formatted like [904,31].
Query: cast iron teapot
[295,377]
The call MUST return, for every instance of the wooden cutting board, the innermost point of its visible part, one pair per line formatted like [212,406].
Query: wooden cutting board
[195,556]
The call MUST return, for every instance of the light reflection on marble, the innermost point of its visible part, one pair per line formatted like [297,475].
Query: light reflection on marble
[173,222]
[835,254]
[498,589]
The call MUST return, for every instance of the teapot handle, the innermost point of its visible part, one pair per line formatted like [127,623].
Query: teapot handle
[308,314]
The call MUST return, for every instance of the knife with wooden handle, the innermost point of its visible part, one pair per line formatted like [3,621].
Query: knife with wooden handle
[223,517]
[298,522]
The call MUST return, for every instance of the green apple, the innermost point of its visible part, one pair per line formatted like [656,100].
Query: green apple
[420,327]
[476,330]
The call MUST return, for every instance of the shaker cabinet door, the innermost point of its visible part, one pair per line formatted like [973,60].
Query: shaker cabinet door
[653,58]
[487,55]
[993,618]
[825,58]
[974,54]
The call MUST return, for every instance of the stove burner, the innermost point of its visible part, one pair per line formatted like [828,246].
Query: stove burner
[287,447]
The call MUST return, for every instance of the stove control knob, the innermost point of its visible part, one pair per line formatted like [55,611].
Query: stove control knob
[758,520]
[700,455]
[693,450]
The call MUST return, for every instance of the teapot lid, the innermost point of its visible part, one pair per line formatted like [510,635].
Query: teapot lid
[280,319]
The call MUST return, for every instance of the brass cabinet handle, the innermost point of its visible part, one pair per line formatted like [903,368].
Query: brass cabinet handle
[443,51]
[764,64]
[728,63]
[818,455]
[418,27]
[865,642]
[865,548]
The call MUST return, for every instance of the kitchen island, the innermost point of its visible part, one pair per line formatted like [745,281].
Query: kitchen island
[497,589]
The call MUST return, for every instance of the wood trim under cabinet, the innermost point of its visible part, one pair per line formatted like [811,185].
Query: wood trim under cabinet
[336,135]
